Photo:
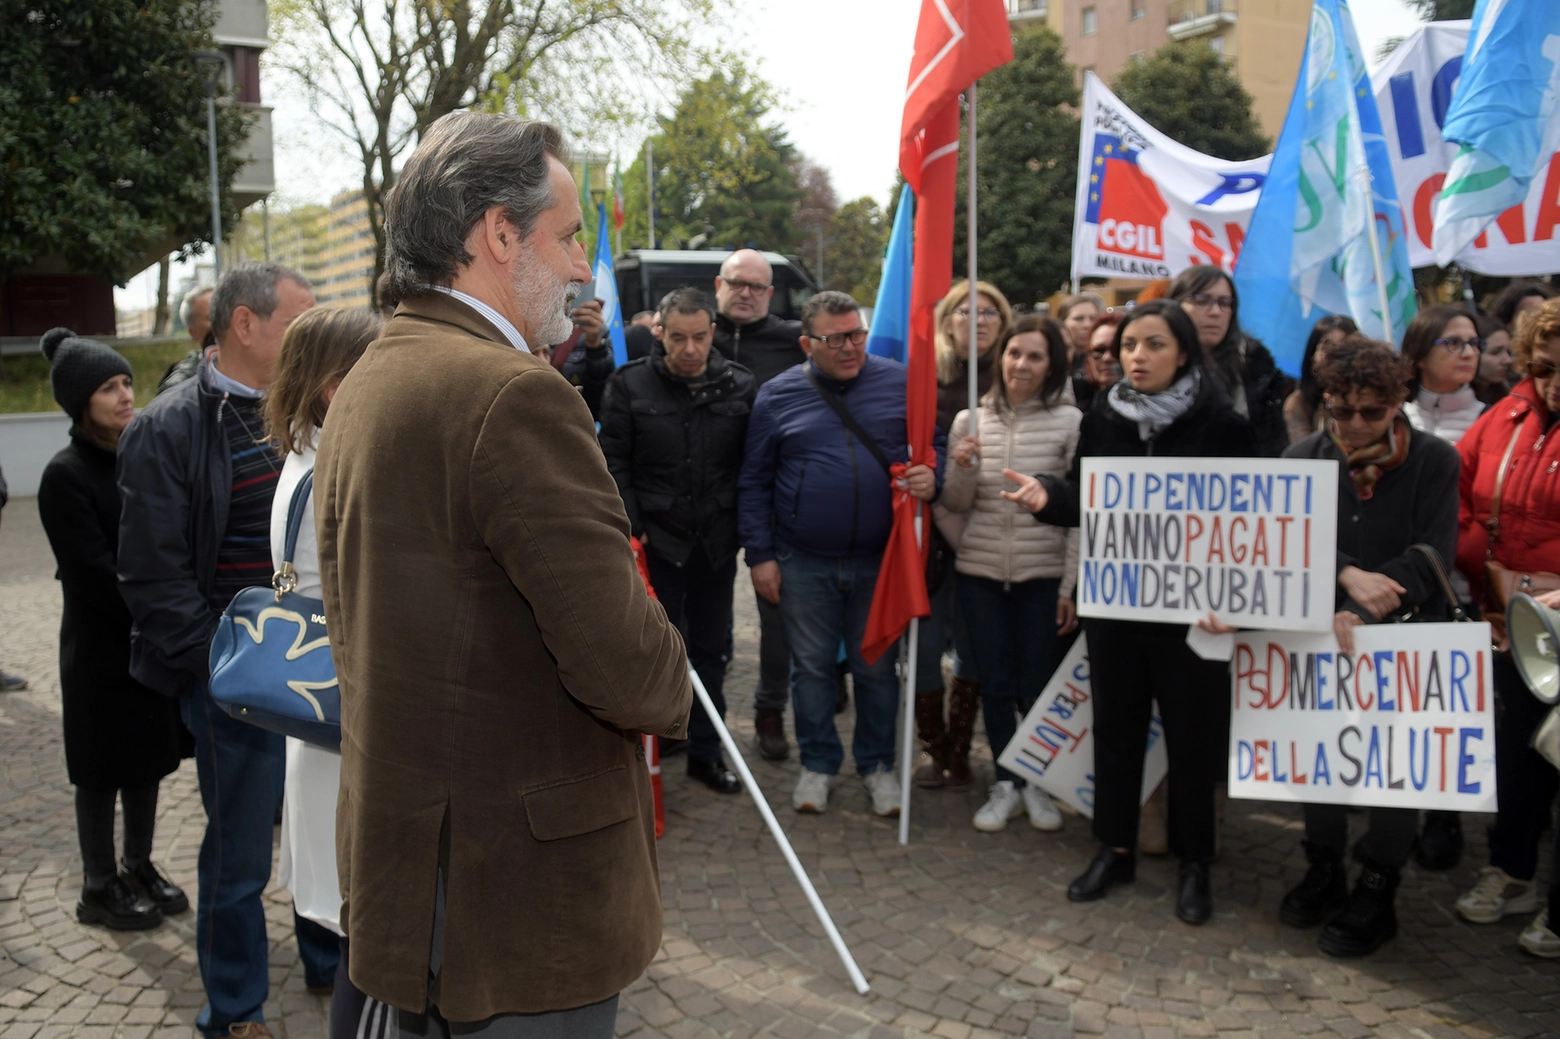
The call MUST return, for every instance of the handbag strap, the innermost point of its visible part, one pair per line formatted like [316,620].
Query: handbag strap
[833,401]
[1459,615]
[286,579]
[1493,523]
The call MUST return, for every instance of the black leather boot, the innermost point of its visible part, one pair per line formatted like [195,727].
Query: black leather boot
[715,775]
[1369,919]
[163,893]
[1194,901]
[769,726]
[1441,843]
[118,907]
[1109,867]
[1325,888]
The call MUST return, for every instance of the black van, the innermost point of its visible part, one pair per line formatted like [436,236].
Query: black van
[644,276]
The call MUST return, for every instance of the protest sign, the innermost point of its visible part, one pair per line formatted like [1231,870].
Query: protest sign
[1413,90]
[1054,747]
[1148,206]
[1405,721]
[1169,539]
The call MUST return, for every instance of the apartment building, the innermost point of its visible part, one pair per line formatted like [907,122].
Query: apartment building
[344,270]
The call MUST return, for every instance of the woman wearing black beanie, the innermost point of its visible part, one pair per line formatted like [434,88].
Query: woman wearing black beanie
[121,738]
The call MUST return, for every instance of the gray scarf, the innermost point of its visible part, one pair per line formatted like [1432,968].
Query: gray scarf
[1153,412]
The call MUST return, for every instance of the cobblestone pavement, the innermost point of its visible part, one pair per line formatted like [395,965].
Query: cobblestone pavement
[962,935]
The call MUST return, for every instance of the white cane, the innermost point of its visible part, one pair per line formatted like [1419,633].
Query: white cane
[856,977]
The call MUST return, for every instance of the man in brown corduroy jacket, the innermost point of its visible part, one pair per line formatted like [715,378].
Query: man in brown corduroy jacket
[497,652]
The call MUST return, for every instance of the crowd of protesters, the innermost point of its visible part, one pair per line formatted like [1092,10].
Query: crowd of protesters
[469,531]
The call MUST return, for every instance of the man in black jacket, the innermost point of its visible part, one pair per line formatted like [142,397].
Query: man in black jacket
[746,332]
[673,426]
[197,475]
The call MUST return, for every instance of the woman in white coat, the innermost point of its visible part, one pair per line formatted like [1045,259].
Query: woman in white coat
[1016,576]
[318,350]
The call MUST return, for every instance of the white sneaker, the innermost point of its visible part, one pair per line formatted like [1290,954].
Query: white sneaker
[1042,813]
[812,792]
[1003,804]
[1496,894]
[884,789]
[1538,939]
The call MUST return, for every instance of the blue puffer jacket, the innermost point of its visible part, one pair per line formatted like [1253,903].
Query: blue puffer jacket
[807,483]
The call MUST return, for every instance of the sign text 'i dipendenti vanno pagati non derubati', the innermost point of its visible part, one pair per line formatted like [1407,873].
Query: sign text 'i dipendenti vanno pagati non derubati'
[1252,540]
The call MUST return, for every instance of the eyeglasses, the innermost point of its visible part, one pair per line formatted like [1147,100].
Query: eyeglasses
[1099,353]
[1203,301]
[1541,369]
[837,341]
[1374,413]
[986,314]
[739,286]
[1454,345]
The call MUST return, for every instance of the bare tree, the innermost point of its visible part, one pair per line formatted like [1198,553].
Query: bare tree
[818,207]
[379,72]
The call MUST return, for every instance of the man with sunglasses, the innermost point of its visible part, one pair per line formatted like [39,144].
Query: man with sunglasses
[814,510]
[747,333]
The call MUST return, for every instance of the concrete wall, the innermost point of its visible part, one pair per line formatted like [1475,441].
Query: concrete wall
[27,442]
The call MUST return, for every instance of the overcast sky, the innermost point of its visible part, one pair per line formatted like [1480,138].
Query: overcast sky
[843,86]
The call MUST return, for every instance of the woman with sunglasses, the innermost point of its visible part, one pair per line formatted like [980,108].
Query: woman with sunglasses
[1243,367]
[945,738]
[1303,411]
[1512,453]
[1100,370]
[1167,404]
[1443,345]
[1397,488]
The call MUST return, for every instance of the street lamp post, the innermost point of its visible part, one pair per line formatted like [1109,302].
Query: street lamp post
[211,65]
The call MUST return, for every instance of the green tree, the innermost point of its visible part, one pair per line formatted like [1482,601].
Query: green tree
[1187,92]
[1028,170]
[103,161]
[723,169]
[853,256]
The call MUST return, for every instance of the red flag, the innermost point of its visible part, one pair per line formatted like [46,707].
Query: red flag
[956,42]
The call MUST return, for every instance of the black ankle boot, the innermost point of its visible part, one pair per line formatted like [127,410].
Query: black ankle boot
[1325,888]
[1194,901]
[118,907]
[1369,919]
[162,892]
[1441,843]
[1109,867]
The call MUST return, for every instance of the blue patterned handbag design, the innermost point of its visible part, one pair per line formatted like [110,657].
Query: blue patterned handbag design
[270,658]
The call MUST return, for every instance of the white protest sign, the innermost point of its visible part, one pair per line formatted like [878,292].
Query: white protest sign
[1405,721]
[1148,206]
[1168,539]
[1054,746]
[1413,89]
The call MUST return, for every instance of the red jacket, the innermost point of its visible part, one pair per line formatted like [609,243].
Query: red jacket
[1530,504]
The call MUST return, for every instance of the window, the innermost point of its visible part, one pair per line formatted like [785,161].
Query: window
[1139,13]
[1090,21]
[1217,43]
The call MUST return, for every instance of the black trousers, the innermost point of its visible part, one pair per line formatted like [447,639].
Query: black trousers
[774,658]
[697,598]
[1131,665]
[1387,842]
[1524,782]
[95,829]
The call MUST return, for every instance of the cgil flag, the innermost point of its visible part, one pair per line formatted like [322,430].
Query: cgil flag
[1504,115]
[890,335]
[606,290]
[1329,191]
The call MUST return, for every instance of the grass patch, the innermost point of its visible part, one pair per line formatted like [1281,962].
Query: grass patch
[24,387]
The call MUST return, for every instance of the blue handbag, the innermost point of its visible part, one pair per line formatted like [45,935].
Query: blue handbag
[270,658]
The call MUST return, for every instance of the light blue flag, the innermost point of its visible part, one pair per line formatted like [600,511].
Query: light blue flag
[890,335]
[606,290]
[1504,114]
[1307,251]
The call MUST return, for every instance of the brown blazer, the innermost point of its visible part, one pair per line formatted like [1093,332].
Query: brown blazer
[498,659]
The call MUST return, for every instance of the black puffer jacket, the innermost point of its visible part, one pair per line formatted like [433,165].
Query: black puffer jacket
[674,446]
[1209,429]
[765,347]
[1266,390]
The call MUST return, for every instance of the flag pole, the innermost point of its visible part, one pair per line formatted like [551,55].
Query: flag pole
[973,302]
[650,186]
[907,745]
[1375,255]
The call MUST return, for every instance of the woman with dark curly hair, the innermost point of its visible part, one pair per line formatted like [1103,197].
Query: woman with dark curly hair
[1519,298]
[1397,488]
[1303,412]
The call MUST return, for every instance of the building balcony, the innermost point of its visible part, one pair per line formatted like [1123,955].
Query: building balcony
[1027,12]
[257,177]
[1190,19]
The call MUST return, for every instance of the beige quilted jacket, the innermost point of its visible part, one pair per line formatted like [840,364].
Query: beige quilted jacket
[1002,541]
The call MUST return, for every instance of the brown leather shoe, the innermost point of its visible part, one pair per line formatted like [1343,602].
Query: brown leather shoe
[249,1030]
[934,739]
[963,701]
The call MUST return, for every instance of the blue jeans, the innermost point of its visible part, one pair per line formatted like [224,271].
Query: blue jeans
[240,769]
[823,600]
[1013,634]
